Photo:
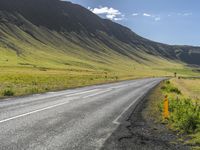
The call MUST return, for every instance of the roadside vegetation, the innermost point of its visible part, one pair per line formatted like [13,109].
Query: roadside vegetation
[23,81]
[184,107]
[17,81]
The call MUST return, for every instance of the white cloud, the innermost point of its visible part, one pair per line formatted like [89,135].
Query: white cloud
[184,14]
[110,13]
[135,14]
[106,10]
[157,18]
[187,14]
[111,17]
[154,17]
[118,19]
[146,15]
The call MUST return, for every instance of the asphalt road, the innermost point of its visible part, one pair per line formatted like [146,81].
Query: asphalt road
[81,118]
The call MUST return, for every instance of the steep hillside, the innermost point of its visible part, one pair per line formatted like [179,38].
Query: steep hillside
[71,29]
[64,26]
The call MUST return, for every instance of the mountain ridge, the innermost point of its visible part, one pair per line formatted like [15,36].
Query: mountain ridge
[67,25]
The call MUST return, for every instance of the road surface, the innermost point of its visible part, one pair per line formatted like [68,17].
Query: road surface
[81,118]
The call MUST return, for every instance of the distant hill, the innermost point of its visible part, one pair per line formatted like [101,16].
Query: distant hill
[55,33]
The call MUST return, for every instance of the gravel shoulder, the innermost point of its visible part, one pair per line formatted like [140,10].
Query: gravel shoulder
[142,132]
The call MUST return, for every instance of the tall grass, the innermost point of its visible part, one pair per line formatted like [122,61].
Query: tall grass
[185,115]
[8,92]
[184,112]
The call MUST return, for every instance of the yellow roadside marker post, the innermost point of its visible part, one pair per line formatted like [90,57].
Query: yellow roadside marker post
[166,108]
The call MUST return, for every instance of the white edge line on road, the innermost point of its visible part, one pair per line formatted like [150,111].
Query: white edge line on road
[74,94]
[101,92]
[53,106]
[126,109]
[32,112]
[52,96]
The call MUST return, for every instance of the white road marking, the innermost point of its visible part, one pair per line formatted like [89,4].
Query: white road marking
[32,97]
[121,86]
[35,111]
[75,94]
[126,109]
[53,106]
[101,92]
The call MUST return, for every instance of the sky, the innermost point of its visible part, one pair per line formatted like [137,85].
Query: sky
[175,22]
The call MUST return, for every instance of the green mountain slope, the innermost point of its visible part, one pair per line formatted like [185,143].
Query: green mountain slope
[38,28]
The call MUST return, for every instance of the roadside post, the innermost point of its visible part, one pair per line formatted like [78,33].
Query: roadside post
[175,74]
[166,108]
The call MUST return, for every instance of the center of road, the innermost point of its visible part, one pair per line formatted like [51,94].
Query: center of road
[32,112]
[60,104]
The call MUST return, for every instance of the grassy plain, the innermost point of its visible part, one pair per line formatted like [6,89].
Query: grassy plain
[23,80]
[190,87]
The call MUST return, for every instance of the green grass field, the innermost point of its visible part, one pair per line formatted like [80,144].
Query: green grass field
[26,79]
[29,80]
[190,87]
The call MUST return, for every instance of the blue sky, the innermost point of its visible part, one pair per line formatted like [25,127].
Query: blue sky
[167,21]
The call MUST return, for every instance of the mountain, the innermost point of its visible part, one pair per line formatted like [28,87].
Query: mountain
[58,34]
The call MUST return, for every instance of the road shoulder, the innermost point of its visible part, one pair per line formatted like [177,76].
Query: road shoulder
[141,131]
